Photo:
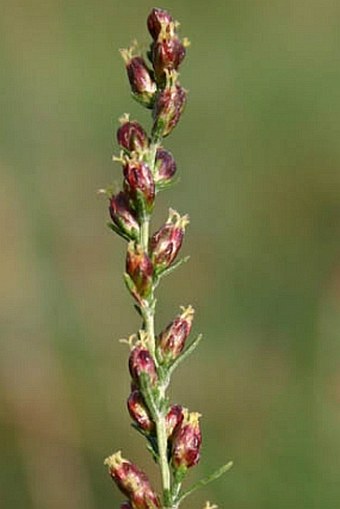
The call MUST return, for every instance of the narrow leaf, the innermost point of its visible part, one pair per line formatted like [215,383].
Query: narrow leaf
[203,482]
[119,232]
[130,285]
[184,354]
[162,186]
[148,396]
[174,266]
[138,309]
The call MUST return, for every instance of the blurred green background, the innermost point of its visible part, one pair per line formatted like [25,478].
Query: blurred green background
[258,154]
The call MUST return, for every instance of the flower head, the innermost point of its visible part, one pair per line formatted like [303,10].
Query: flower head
[167,54]
[139,182]
[131,135]
[173,419]
[138,411]
[187,442]
[132,482]
[159,20]
[142,363]
[168,108]
[123,216]
[167,241]
[140,77]
[140,269]
[165,166]
[171,341]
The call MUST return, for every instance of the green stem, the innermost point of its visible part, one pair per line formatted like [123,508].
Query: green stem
[163,459]
[152,154]
[144,238]
[148,309]
[149,326]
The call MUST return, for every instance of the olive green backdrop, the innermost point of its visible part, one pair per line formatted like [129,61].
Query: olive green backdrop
[258,154]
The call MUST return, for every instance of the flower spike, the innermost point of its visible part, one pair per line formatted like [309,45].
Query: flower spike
[172,433]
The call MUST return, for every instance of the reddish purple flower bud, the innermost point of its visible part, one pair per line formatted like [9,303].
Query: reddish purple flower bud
[123,216]
[141,362]
[141,81]
[140,77]
[167,54]
[132,482]
[187,442]
[139,182]
[132,136]
[140,269]
[171,341]
[168,109]
[138,411]
[159,20]
[173,419]
[165,165]
[167,241]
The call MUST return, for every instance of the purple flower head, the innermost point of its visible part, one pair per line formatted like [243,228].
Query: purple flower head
[167,241]
[123,216]
[132,482]
[131,135]
[140,269]
[171,341]
[187,442]
[168,108]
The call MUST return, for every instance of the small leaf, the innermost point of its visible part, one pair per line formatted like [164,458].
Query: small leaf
[129,283]
[137,428]
[138,309]
[167,184]
[148,395]
[172,267]
[141,206]
[141,101]
[189,350]
[206,480]
[119,232]
[152,452]
[152,445]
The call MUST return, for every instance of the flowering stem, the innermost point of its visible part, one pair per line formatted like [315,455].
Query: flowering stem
[144,238]
[149,325]
[159,417]
[147,308]
[163,461]
[172,432]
